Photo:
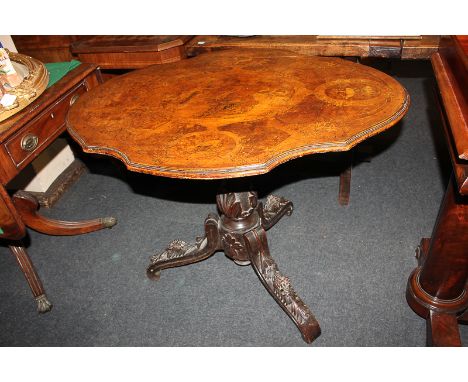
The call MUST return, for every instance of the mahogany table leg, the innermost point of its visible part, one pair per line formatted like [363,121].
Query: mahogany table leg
[437,288]
[27,206]
[241,232]
[345,180]
[279,286]
[442,330]
[43,304]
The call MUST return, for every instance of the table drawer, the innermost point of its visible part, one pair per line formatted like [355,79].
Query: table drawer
[29,140]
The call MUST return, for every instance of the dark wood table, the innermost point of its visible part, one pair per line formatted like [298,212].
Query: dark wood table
[438,288]
[229,115]
[23,137]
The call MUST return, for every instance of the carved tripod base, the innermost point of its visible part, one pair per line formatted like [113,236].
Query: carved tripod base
[240,232]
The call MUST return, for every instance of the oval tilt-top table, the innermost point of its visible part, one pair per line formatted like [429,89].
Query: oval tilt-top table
[232,114]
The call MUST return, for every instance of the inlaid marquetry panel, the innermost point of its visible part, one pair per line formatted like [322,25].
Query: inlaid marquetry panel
[235,113]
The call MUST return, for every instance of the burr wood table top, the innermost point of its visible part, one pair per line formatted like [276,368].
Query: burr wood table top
[235,113]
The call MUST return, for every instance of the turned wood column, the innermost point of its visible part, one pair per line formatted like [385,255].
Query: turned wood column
[437,288]
[444,273]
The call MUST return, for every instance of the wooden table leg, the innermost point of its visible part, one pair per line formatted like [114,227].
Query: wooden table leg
[27,206]
[345,183]
[345,179]
[437,288]
[22,257]
[240,232]
[442,330]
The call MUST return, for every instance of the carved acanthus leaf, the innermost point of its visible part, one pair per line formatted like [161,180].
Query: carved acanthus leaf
[177,248]
[283,290]
[274,208]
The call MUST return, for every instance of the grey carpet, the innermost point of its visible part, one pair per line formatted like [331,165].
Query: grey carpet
[349,264]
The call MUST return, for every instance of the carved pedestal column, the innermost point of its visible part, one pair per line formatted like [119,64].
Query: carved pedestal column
[240,232]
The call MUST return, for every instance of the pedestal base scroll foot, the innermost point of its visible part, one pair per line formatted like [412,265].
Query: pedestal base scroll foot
[180,253]
[275,208]
[279,286]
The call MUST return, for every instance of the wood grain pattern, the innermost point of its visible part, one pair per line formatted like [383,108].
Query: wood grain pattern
[44,118]
[419,49]
[404,47]
[125,43]
[461,46]
[130,52]
[460,166]
[27,206]
[442,330]
[437,288]
[454,97]
[46,48]
[450,66]
[235,113]
[18,250]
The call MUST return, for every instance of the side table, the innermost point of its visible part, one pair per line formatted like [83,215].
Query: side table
[230,115]
[23,137]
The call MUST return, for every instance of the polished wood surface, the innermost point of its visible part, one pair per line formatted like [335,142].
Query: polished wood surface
[42,121]
[399,47]
[235,113]
[232,114]
[439,283]
[27,206]
[451,71]
[126,43]
[130,52]
[35,284]
[442,330]
[438,288]
[240,232]
[46,48]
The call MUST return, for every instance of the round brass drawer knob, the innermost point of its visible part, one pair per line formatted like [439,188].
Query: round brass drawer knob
[74,98]
[29,142]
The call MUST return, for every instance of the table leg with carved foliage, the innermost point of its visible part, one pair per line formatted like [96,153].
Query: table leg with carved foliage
[240,232]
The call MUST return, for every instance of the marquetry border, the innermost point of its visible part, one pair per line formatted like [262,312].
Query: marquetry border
[241,171]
